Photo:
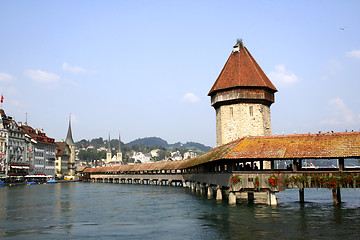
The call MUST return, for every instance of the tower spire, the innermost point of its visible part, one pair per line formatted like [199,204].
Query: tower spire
[109,146]
[108,152]
[69,139]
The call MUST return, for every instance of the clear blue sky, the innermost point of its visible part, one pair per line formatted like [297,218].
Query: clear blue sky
[145,67]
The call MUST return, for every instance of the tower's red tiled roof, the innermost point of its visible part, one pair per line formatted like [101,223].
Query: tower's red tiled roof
[241,70]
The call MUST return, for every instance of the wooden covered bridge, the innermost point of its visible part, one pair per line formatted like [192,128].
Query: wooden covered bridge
[252,168]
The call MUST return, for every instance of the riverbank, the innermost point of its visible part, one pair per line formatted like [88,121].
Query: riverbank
[25,183]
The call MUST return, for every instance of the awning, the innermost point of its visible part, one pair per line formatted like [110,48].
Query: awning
[20,167]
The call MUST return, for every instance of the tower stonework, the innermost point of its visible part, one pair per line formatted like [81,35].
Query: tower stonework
[241,96]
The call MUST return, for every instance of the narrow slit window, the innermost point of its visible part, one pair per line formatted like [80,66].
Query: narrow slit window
[231,112]
[251,111]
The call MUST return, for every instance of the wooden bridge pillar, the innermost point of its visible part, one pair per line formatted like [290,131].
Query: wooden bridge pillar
[218,193]
[184,184]
[336,196]
[210,191]
[232,198]
[272,198]
[301,195]
[341,164]
[197,187]
[202,188]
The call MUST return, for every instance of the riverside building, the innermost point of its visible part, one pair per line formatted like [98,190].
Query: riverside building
[14,161]
[44,151]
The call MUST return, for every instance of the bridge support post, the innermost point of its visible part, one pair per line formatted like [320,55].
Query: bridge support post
[272,198]
[232,198]
[218,193]
[197,187]
[341,164]
[210,191]
[301,195]
[336,196]
[202,188]
[192,186]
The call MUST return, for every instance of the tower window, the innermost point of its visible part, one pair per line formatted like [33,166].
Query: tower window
[231,112]
[251,111]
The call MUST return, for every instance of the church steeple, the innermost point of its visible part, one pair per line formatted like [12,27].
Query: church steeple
[108,152]
[109,146]
[69,139]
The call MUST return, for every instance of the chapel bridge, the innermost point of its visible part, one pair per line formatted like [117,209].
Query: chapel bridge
[252,163]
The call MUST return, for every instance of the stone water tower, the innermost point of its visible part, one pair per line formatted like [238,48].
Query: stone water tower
[241,96]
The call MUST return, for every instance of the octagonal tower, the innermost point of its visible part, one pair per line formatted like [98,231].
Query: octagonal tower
[241,96]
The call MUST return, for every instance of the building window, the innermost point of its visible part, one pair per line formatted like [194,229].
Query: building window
[231,112]
[251,111]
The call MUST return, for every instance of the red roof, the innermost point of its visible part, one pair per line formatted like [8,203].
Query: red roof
[297,146]
[37,135]
[60,149]
[241,70]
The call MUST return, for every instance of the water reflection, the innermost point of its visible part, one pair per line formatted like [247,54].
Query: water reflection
[112,211]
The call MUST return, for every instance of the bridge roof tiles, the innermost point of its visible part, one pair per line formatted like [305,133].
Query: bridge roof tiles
[297,146]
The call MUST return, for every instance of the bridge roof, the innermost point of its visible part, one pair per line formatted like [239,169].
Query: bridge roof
[168,165]
[296,146]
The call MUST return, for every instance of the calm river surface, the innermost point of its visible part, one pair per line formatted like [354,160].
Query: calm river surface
[113,211]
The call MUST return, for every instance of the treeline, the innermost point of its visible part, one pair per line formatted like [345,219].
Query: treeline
[144,145]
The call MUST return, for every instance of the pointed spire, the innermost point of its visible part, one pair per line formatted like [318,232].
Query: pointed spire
[69,139]
[109,147]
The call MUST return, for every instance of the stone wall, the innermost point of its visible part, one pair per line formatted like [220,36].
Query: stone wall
[242,119]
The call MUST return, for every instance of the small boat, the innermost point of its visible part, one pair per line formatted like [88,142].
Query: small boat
[2,183]
[51,181]
[31,183]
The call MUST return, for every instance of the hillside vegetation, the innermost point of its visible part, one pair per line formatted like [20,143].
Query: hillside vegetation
[96,148]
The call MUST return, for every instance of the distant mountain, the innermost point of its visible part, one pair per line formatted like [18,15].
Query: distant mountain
[141,143]
[150,142]
[158,142]
[191,145]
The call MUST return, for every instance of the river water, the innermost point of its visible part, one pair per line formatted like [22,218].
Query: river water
[123,211]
